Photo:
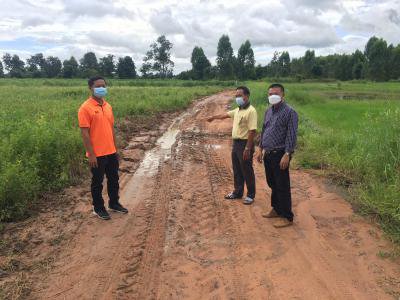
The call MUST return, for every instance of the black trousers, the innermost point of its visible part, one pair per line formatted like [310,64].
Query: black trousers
[107,165]
[279,182]
[243,169]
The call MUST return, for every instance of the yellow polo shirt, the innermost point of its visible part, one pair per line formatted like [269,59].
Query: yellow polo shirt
[244,120]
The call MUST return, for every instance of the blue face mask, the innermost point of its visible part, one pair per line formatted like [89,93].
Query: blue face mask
[100,92]
[240,101]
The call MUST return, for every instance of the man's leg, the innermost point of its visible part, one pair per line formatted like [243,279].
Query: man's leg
[283,193]
[248,172]
[269,174]
[238,179]
[111,170]
[97,183]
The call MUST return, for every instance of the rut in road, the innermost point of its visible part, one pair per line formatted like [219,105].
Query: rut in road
[181,240]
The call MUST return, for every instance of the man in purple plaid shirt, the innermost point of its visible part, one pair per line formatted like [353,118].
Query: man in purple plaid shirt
[277,144]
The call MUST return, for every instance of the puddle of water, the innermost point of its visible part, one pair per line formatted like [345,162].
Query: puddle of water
[214,146]
[139,184]
[160,153]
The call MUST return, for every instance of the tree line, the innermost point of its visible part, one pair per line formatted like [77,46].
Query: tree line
[379,61]
[156,64]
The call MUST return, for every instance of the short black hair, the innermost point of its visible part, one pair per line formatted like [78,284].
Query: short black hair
[245,90]
[93,79]
[277,85]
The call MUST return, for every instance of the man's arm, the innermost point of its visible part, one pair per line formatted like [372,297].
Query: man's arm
[218,117]
[260,153]
[252,127]
[291,133]
[291,139]
[250,139]
[115,142]
[249,145]
[262,130]
[88,146]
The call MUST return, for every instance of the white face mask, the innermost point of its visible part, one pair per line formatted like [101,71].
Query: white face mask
[274,99]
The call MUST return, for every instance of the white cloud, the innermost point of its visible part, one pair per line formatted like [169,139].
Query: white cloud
[126,27]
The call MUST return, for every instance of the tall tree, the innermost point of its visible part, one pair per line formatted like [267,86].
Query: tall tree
[146,68]
[309,62]
[260,71]
[378,57]
[225,58]
[158,59]
[126,67]
[274,68]
[53,66]
[358,65]
[284,64]
[1,70]
[395,63]
[107,66]
[89,65]
[200,64]
[36,65]
[14,65]
[70,68]
[246,62]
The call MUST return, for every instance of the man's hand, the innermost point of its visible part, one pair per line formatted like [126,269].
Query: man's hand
[246,154]
[118,155]
[259,155]
[92,161]
[284,164]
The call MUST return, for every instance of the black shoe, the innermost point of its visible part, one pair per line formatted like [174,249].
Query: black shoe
[101,213]
[232,196]
[118,208]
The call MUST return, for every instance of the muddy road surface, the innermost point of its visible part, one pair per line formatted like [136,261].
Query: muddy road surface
[182,240]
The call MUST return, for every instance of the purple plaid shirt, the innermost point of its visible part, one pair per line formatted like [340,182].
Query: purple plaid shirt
[279,129]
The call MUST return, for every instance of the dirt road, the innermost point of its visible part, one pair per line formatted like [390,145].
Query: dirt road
[181,240]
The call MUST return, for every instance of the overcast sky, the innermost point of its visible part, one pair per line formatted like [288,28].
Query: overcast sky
[121,27]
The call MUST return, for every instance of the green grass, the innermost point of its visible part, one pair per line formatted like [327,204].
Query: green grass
[41,148]
[355,138]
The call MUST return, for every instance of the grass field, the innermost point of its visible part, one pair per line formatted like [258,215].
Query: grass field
[41,148]
[351,130]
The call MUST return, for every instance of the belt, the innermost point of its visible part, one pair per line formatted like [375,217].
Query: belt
[275,151]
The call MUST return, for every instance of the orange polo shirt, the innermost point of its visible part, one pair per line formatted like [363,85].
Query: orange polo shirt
[100,121]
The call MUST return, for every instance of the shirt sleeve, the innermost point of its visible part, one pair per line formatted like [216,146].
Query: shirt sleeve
[112,116]
[252,120]
[291,134]
[83,118]
[262,131]
[231,113]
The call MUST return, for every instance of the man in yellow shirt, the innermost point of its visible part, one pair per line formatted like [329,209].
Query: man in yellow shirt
[243,132]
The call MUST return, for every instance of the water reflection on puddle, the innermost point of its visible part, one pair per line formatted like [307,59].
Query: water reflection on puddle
[161,152]
[214,146]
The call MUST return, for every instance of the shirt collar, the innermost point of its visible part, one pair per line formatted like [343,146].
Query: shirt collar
[246,106]
[278,107]
[94,102]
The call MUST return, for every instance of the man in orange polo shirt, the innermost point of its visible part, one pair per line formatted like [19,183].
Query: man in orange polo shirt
[96,120]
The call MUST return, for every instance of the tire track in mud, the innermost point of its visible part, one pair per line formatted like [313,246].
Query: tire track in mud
[204,217]
[219,176]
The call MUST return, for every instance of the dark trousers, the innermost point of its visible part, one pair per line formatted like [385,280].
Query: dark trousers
[243,169]
[279,182]
[105,165]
